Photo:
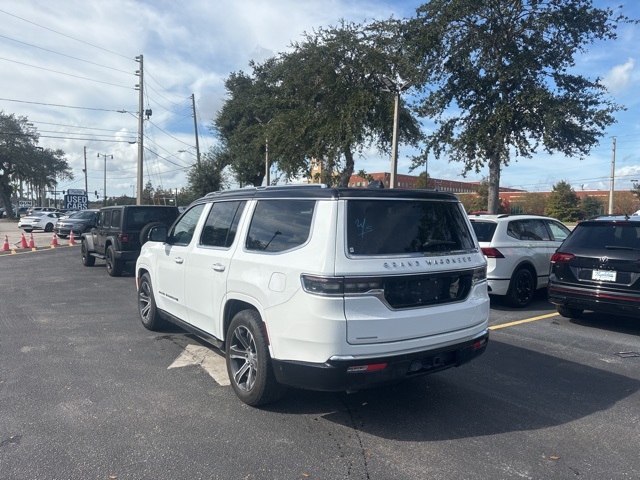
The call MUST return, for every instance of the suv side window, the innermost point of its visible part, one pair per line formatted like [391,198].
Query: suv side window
[279,225]
[528,230]
[182,232]
[116,218]
[222,224]
[106,223]
[558,231]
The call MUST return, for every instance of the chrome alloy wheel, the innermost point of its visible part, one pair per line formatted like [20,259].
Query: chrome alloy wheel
[243,358]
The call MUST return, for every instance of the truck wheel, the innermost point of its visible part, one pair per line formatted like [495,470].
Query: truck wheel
[88,260]
[147,305]
[248,361]
[114,267]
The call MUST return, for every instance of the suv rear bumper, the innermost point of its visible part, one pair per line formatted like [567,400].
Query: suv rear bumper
[598,300]
[335,375]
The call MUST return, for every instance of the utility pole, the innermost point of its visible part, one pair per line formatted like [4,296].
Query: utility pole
[613,169]
[140,88]
[104,191]
[195,127]
[86,183]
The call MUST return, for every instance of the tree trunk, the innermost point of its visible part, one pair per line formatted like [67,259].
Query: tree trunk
[494,184]
[5,196]
[347,171]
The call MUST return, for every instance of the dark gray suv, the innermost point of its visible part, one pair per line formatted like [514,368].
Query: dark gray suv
[598,268]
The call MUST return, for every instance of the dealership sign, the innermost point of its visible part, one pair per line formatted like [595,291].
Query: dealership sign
[76,200]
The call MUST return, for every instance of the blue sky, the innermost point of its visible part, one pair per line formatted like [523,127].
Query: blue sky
[68,65]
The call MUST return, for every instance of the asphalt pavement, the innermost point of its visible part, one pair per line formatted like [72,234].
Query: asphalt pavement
[9,229]
[86,392]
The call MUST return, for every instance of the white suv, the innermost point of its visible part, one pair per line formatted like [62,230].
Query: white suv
[320,288]
[518,250]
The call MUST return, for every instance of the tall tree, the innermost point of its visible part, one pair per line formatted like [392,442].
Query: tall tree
[22,160]
[500,79]
[322,100]
[563,203]
[208,175]
[333,102]
[591,206]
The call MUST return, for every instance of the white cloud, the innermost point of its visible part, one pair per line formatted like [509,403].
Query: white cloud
[618,79]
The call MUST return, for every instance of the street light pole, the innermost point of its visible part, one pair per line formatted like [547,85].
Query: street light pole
[104,191]
[391,86]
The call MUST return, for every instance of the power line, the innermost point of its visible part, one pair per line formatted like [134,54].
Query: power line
[65,35]
[63,73]
[65,55]
[63,106]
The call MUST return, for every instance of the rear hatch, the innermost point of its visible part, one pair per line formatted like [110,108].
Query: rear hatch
[411,269]
[602,254]
[139,216]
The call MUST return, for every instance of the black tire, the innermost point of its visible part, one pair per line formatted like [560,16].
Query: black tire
[144,233]
[114,267]
[149,315]
[48,228]
[61,236]
[522,288]
[28,230]
[88,260]
[248,361]
[569,312]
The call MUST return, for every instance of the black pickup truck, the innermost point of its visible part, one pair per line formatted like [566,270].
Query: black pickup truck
[120,232]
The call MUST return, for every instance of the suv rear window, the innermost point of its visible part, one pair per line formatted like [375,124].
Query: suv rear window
[279,225]
[484,230]
[604,234]
[139,217]
[394,227]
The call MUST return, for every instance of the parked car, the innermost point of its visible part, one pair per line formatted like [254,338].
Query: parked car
[598,268]
[39,221]
[518,249]
[22,211]
[119,233]
[320,288]
[31,210]
[78,222]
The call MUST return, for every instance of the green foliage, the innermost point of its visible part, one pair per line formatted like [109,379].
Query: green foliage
[533,203]
[480,201]
[22,161]
[322,100]
[505,69]
[208,175]
[591,206]
[563,203]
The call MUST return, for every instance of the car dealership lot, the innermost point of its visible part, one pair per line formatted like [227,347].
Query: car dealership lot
[87,392]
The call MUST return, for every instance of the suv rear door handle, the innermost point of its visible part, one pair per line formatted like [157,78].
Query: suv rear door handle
[218,267]
[178,260]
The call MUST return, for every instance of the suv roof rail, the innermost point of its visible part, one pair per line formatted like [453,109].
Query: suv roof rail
[270,187]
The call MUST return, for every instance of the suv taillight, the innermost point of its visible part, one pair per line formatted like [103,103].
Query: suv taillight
[492,253]
[561,257]
[339,285]
[123,237]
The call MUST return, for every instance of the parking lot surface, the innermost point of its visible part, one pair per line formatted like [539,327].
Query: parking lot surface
[87,393]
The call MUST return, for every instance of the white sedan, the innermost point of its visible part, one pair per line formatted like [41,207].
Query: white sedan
[39,221]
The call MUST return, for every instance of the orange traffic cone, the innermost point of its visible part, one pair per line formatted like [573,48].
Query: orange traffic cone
[32,244]
[6,247]
[23,242]
[72,240]
[54,243]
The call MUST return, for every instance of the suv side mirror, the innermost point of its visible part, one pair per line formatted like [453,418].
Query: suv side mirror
[158,234]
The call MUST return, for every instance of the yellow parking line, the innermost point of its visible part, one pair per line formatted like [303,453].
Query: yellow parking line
[526,320]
